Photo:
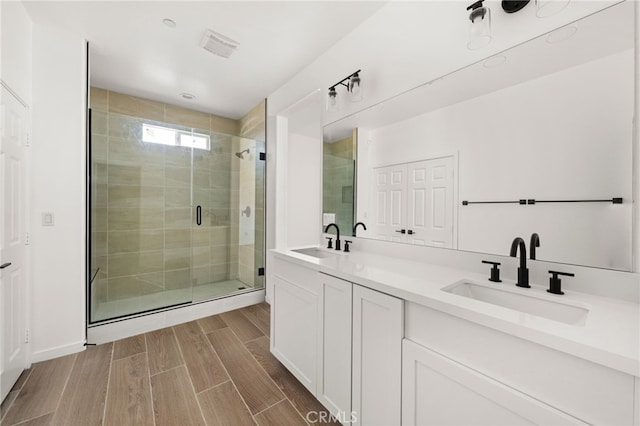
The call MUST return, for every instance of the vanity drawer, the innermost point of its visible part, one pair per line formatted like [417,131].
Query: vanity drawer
[296,274]
[588,391]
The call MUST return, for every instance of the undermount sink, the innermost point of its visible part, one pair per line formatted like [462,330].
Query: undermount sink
[539,305]
[314,252]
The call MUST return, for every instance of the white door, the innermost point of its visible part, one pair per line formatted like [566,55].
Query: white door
[430,202]
[294,327]
[439,391]
[13,134]
[390,191]
[378,328]
[334,384]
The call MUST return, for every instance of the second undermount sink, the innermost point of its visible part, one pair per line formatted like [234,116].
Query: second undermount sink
[540,305]
[314,252]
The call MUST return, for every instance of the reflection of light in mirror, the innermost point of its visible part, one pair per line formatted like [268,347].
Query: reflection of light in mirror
[561,34]
[167,136]
[546,8]
[494,61]
[159,135]
[169,22]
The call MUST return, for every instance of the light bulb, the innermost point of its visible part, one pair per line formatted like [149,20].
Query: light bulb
[355,88]
[480,28]
[332,99]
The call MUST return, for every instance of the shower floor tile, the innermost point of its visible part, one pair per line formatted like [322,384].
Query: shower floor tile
[137,304]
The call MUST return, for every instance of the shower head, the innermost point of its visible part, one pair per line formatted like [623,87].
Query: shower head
[240,154]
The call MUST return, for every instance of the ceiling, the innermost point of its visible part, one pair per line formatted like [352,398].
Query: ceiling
[133,52]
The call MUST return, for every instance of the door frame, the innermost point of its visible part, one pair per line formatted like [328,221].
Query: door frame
[456,180]
[27,224]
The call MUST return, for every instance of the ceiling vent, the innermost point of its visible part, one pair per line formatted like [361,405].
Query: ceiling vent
[218,44]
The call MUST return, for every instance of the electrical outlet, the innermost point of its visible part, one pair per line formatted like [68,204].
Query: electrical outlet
[47,219]
[328,218]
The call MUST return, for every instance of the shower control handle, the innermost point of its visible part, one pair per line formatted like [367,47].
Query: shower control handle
[199,215]
[5,265]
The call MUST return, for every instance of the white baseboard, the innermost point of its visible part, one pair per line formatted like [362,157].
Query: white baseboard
[57,352]
[130,327]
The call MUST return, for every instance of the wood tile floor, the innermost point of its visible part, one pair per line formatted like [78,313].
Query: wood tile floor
[214,371]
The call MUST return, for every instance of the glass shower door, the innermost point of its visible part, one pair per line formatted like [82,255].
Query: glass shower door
[140,216]
[229,215]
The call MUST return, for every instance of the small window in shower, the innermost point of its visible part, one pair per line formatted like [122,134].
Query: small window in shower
[167,136]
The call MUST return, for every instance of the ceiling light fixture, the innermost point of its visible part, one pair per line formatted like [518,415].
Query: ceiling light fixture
[169,22]
[353,83]
[480,27]
[561,34]
[494,61]
[188,96]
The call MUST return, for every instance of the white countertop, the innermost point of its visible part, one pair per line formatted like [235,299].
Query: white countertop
[610,335]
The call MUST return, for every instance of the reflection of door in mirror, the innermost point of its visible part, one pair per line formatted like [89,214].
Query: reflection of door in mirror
[338,182]
[414,202]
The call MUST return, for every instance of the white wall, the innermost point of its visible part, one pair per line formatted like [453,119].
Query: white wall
[401,46]
[526,141]
[58,186]
[15,57]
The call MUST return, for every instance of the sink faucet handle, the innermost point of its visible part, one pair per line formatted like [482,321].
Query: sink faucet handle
[346,245]
[555,284]
[495,271]
[330,243]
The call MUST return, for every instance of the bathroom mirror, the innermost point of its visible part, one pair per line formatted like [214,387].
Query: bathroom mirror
[536,139]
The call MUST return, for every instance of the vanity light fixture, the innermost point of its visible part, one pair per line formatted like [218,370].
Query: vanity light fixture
[353,83]
[480,26]
[513,6]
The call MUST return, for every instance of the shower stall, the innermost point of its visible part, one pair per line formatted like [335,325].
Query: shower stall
[176,208]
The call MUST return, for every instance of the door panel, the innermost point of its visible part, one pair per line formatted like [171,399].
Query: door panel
[13,133]
[390,201]
[430,202]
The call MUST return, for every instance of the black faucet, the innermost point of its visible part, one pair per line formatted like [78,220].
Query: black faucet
[353,234]
[337,234]
[523,272]
[533,243]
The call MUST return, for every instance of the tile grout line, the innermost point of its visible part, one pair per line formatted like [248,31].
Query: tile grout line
[32,418]
[255,324]
[59,399]
[265,372]
[64,388]
[146,353]
[106,394]
[225,369]
[278,387]
[193,388]
[271,406]
[268,339]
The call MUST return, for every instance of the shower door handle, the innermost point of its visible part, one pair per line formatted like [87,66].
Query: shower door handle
[199,215]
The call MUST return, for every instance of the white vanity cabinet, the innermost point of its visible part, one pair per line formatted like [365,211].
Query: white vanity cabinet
[378,328]
[295,314]
[459,372]
[439,391]
[361,353]
[334,383]
[341,340]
